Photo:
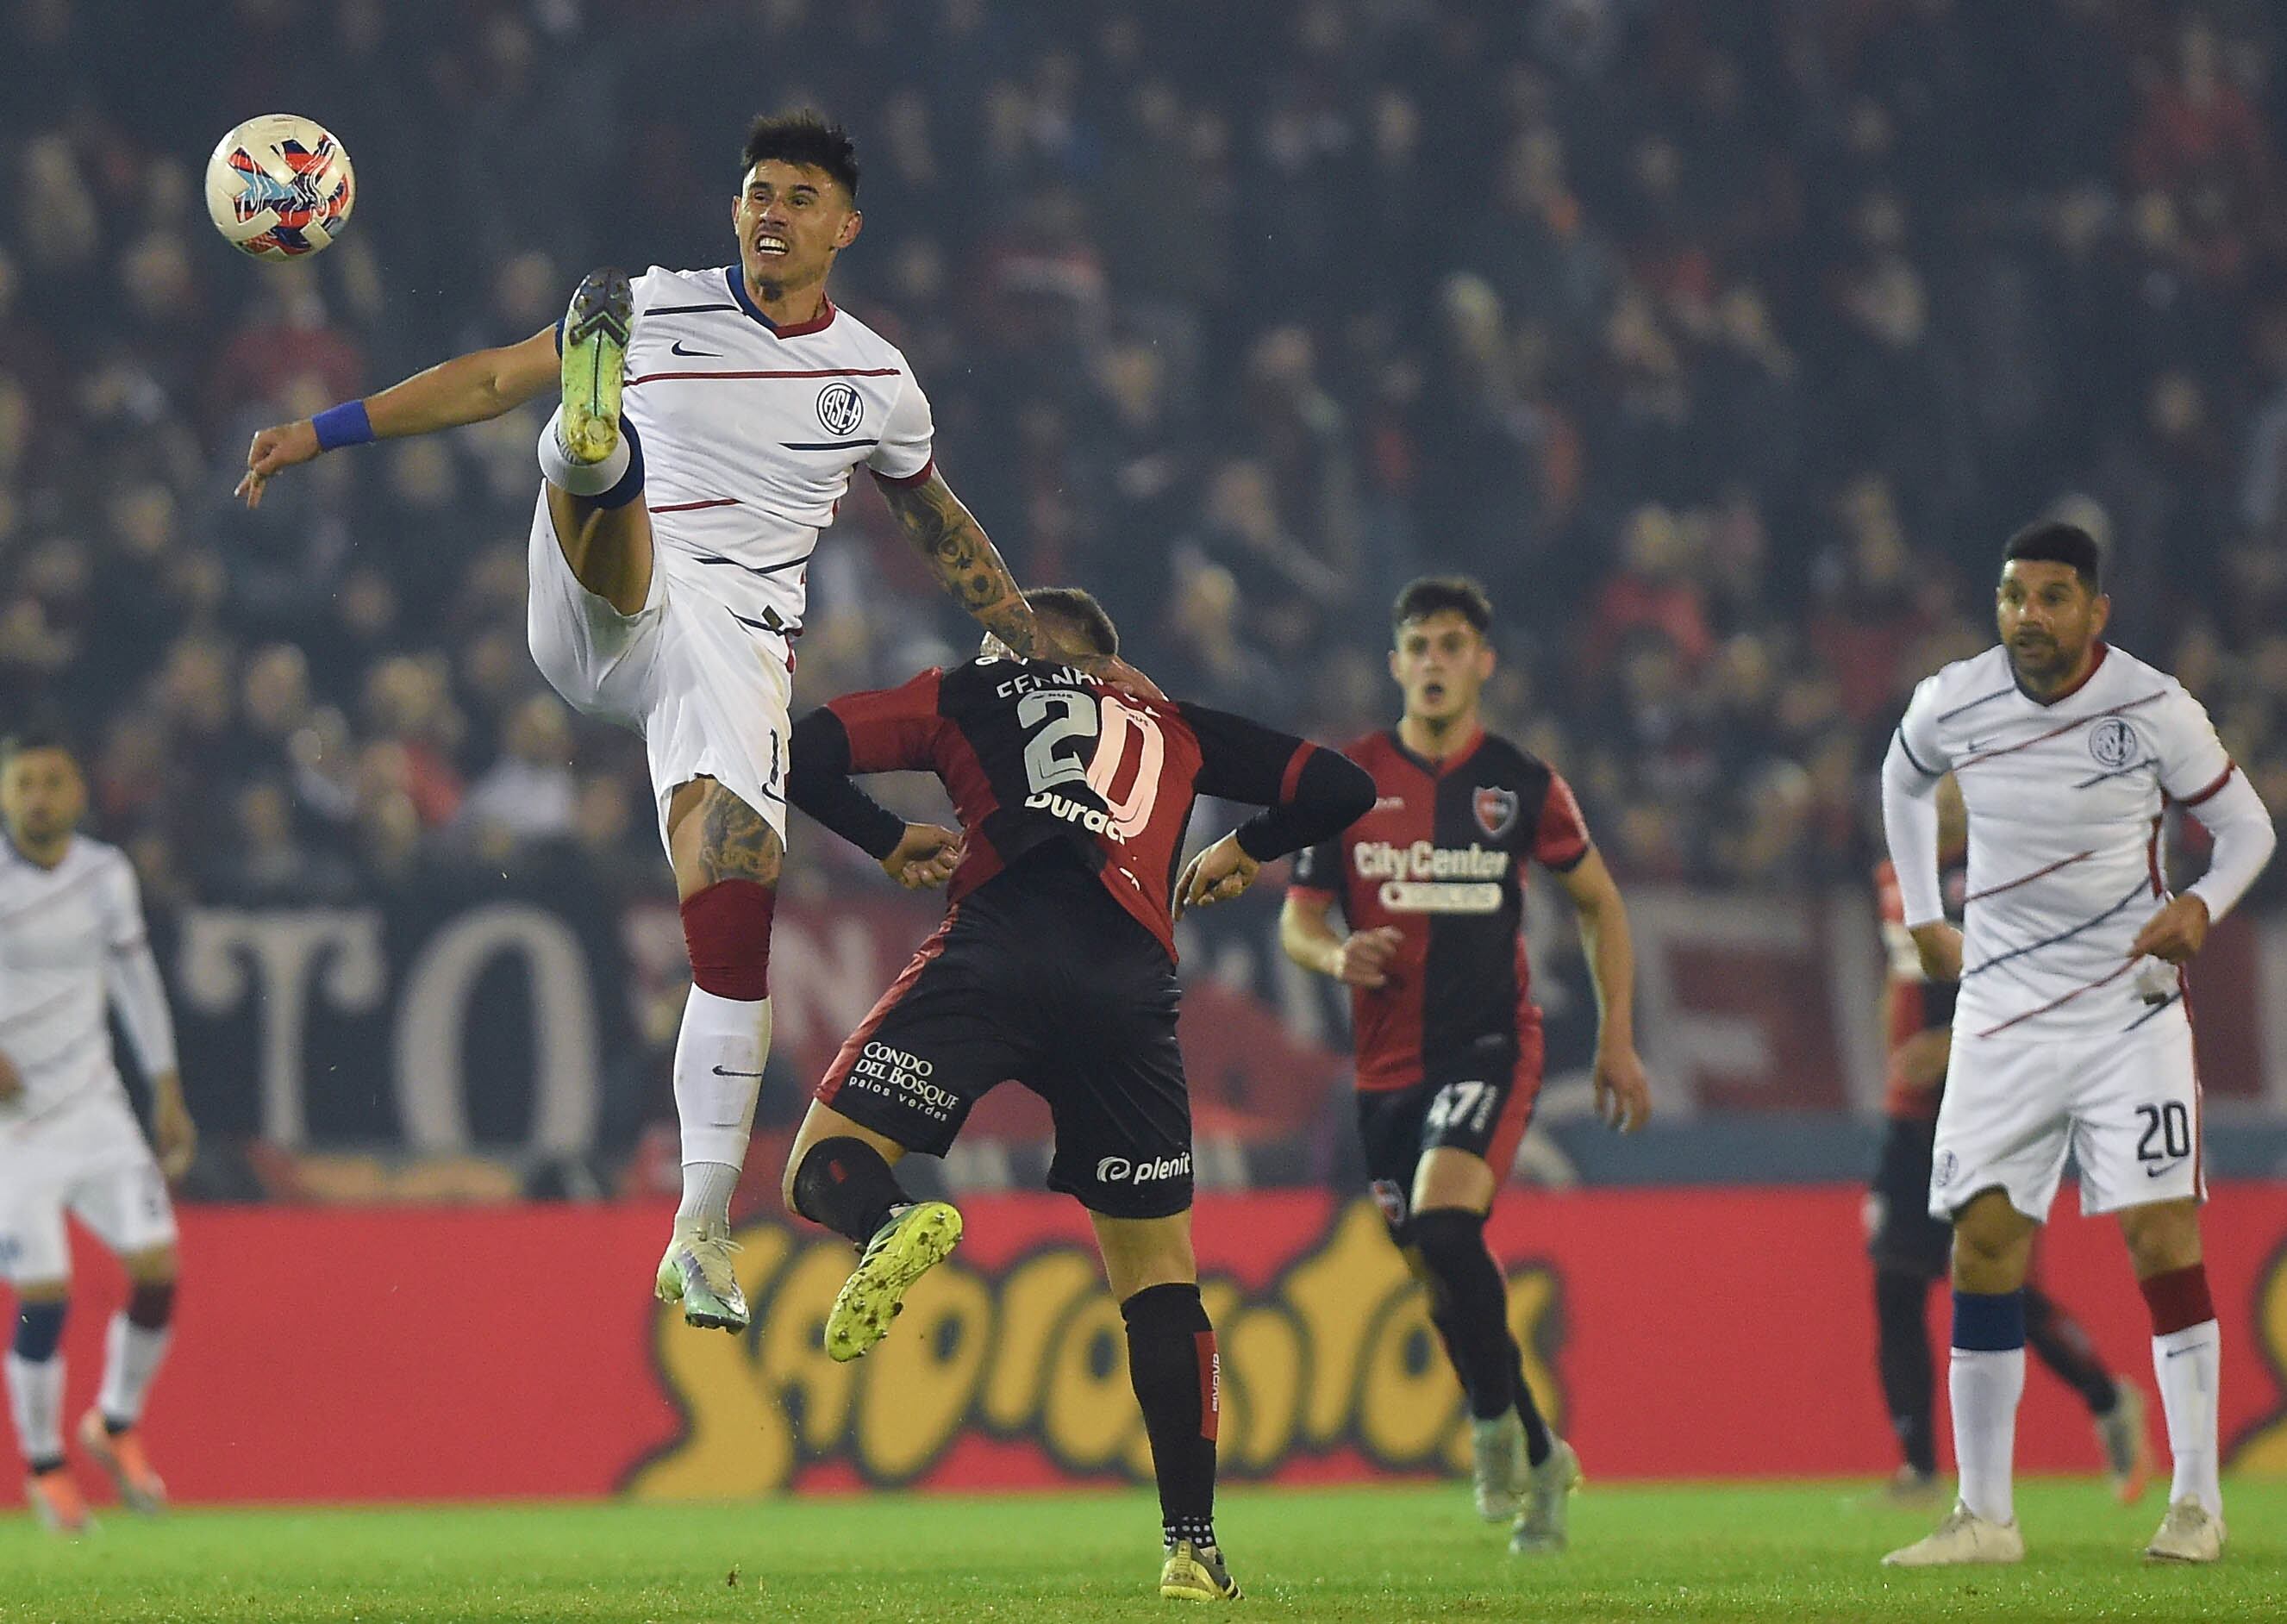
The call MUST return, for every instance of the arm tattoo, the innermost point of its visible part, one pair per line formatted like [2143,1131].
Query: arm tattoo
[945,534]
[734,842]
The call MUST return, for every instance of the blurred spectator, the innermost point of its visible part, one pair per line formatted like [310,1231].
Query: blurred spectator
[529,793]
[1725,344]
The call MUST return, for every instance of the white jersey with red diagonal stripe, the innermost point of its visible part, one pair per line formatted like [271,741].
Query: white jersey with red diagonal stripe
[2064,802]
[750,432]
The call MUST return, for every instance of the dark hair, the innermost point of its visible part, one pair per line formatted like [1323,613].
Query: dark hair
[24,740]
[1429,594]
[806,141]
[2053,540]
[1076,608]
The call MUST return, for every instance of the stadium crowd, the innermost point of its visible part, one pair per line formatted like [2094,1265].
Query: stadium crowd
[1725,342]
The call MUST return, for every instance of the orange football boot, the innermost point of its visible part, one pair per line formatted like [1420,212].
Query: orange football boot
[55,1499]
[121,1455]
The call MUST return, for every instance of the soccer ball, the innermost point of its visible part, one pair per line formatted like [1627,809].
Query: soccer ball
[280,186]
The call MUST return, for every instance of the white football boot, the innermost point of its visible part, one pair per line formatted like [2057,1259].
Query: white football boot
[1963,1538]
[2188,1533]
[1549,1490]
[1498,1466]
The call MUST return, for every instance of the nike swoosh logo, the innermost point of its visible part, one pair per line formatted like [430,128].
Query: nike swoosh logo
[2161,1172]
[719,1071]
[677,349]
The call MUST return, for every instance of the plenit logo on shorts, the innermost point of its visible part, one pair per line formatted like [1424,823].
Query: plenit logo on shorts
[888,1070]
[1425,878]
[1120,1170]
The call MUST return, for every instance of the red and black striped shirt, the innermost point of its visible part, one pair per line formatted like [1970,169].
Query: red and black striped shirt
[1037,755]
[1441,857]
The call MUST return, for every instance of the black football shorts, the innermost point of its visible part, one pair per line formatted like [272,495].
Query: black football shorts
[1900,1232]
[1040,978]
[1485,1115]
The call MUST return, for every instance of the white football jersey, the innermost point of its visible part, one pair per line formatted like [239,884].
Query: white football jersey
[72,941]
[2064,804]
[749,434]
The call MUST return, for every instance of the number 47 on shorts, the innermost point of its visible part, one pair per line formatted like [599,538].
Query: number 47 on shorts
[1462,1104]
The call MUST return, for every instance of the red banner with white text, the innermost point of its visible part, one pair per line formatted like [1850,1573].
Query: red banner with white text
[408,1354]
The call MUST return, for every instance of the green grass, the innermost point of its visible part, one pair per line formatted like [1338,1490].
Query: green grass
[1699,1552]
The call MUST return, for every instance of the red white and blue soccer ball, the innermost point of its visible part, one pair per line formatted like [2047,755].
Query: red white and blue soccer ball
[280,186]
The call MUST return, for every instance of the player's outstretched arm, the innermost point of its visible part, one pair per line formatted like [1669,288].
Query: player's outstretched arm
[971,569]
[466,388]
[889,730]
[967,563]
[1623,1091]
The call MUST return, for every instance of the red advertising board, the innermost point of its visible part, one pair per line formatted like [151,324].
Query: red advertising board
[337,1355]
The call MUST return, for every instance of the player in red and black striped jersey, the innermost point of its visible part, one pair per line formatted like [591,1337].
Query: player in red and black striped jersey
[1431,883]
[1912,1251]
[1056,966]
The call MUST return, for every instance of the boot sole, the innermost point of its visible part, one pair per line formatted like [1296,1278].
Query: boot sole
[875,1294]
[596,333]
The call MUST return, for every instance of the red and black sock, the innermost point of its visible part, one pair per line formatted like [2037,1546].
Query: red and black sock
[846,1184]
[1171,1362]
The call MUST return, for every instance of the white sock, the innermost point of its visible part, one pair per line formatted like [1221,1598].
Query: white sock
[36,1403]
[130,1358]
[718,1072]
[2188,1363]
[1983,1388]
[708,1187]
[579,479]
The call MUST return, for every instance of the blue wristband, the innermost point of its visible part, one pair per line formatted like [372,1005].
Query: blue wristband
[345,424]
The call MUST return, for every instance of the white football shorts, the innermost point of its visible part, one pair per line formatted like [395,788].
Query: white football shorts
[90,1158]
[2125,1105]
[708,692]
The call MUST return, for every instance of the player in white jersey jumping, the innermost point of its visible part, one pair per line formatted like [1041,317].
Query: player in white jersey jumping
[72,951]
[709,424]
[2069,1031]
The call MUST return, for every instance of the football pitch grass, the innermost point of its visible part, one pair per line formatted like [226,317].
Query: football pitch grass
[1727,1552]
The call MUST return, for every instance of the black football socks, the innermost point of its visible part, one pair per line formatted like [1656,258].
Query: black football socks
[844,1184]
[1469,1301]
[1171,1362]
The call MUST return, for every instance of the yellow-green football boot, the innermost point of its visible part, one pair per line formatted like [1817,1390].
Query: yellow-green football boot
[1195,1573]
[915,1240]
[595,331]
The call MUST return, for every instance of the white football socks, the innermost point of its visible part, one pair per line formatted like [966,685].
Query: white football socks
[579,479]
[36,1403]
[2188,1364]
[130,1360]
[718,1075]
[1985,1388]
